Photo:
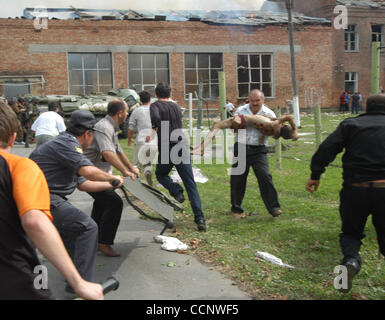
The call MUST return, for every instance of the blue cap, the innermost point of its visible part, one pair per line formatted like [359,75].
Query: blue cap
[82,118]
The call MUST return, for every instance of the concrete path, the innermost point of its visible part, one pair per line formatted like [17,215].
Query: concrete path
[144,269]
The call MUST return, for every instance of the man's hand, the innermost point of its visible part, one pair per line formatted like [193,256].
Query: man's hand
[148,139]
[127,173]
[312,185]
[129,142]
[136,171]
[89,290]
[118,178]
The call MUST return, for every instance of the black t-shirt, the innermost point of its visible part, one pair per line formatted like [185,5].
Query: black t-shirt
[166,116]
[18,258]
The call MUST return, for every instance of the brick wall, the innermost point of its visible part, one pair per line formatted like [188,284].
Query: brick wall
[314,62]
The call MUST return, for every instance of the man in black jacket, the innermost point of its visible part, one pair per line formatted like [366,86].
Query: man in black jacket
[363,192]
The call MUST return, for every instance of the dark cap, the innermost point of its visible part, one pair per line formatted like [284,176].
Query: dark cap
[82,118]
[20,99]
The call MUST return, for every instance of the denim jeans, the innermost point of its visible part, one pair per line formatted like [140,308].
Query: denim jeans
[184,170]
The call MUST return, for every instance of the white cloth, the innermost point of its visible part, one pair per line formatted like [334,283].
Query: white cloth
[48,123]
[253,134]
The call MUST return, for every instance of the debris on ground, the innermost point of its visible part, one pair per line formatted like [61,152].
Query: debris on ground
[170,243]
[273,259]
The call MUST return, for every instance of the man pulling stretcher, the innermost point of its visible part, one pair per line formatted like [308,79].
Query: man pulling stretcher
[268,126]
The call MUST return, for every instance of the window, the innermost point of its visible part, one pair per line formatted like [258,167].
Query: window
[202,67]
[146,70]
[254,72]
[351,38]
[351,82]
[377,33]
[90,72]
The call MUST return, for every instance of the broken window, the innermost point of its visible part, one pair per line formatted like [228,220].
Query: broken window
[146,70]
[202,67]
[254,72]
[351,38]
[351,82]
[377,33]
[89,72]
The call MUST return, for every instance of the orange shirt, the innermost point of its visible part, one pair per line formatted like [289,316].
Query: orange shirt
[29,186]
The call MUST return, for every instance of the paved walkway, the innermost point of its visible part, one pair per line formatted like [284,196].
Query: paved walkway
[143,269]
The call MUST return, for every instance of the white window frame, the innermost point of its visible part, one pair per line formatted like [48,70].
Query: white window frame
[261,68]
[355,81]
[97,69]
[144,86]
[210,83]
[349,41]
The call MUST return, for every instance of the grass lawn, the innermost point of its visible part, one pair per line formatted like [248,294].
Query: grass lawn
[305,236]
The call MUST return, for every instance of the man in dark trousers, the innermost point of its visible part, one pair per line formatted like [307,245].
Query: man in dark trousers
[67,168]
[166,119]
[256,157]
[363,191]
[106,153]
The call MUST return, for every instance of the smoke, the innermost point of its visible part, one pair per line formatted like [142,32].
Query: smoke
[148,4]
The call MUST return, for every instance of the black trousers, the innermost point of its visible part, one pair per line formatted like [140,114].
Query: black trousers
[106,212]
[256,157]
[356,204]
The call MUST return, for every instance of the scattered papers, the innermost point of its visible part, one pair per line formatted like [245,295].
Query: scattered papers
[170,243]
[198,176]
[273,259]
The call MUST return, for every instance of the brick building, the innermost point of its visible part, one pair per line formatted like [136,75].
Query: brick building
[352,46]
[93,53]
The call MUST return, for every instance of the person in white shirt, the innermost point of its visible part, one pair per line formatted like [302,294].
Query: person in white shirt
[48,125]
[140,123]
[256,158]
[229,109]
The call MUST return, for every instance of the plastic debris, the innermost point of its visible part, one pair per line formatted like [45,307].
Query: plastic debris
[170,243]
[273,259]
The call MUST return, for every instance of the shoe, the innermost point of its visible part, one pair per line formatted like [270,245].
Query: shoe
[237,209]
[352,268]
[107,250]
[26,145]
[201,224]
[179,197]
[276,213]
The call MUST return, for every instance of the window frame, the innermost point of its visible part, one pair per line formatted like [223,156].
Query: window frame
[155,69]
[349,42]
[197,69]
[260,68]
[83,70]
[355,81]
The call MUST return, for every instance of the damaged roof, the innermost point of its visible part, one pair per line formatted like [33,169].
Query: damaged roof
[234,17]
[363,3]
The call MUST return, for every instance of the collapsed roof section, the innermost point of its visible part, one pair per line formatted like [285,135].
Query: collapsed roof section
[363,3]
[236,17]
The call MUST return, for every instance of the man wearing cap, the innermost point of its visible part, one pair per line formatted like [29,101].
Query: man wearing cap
[105,153]
[66,168]
[363,191]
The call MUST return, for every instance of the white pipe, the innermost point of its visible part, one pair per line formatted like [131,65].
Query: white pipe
[190,113]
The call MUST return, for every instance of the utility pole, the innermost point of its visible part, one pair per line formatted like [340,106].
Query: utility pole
[289,5]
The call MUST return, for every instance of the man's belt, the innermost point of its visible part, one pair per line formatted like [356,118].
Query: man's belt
[370,184]
[251,146]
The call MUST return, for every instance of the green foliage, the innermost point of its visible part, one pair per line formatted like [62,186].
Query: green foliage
[305,236]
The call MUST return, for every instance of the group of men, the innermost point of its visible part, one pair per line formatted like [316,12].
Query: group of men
[84,155]
[354,100]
